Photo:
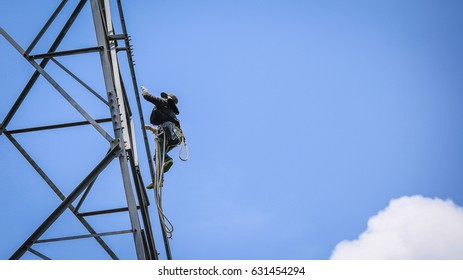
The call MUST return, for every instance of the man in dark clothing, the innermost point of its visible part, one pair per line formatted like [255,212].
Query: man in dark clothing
[164,115]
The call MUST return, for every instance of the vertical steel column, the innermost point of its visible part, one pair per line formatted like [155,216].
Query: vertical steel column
[142,196]
[103,27]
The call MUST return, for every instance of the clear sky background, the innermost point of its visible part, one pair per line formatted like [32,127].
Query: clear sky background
[316,129]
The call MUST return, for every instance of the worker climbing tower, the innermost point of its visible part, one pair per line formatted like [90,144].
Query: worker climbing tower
[114,129]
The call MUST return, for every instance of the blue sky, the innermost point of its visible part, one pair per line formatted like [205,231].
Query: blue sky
[303,118]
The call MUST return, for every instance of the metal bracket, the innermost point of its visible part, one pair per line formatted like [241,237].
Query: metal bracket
[117,37]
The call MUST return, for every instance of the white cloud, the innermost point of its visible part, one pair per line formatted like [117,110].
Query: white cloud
[413,227]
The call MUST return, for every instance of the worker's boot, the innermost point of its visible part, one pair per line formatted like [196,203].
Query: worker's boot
[168,162]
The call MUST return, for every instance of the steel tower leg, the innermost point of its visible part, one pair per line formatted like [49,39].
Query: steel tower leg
[122,143]
[142,122]
[104,29]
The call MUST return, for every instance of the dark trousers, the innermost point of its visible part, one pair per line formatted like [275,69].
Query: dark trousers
[168,139]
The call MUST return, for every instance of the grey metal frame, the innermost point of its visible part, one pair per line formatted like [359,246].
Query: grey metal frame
[121,145]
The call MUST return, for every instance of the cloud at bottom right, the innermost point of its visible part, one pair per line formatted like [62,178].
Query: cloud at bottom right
[409,228]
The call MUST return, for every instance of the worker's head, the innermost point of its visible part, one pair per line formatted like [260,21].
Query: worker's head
[170,96]
[172,100]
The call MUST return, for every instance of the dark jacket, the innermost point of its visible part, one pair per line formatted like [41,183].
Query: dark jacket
[162,112]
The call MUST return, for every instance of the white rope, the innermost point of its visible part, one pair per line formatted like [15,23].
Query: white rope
[158,184]
[182,144]
[166,225]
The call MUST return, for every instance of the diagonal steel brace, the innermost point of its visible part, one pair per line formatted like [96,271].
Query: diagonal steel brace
[57,86]
[115,151]
[60,194]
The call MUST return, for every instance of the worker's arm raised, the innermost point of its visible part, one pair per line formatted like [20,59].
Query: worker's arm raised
[148,97]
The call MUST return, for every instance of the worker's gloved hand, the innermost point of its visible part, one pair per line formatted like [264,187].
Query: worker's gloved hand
[144,91]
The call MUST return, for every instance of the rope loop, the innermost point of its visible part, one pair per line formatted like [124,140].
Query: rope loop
[183,144]
[158,183]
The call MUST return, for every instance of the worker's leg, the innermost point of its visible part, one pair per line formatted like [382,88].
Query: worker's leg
[171,141]
[168,161]
[172,138]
